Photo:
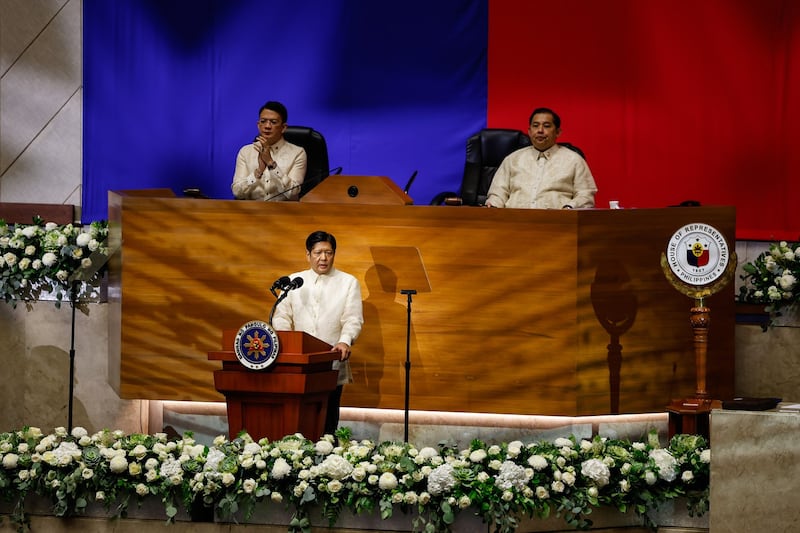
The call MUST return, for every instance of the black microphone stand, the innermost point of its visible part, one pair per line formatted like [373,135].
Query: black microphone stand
[409,293]
[73,297]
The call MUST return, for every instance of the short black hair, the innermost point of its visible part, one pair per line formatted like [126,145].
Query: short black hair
[278,107]
[556,118]
[320,236]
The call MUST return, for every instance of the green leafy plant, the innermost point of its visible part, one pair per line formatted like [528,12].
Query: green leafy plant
[65,260]
[500,483]
[772,279]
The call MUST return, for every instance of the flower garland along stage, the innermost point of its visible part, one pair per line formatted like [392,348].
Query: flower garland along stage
[50,258]
[499,483]
[771,279]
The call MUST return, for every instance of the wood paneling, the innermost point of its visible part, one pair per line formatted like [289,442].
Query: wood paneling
[507,323]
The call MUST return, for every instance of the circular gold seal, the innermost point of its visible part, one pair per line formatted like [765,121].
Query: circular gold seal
[256,345]
[697,254]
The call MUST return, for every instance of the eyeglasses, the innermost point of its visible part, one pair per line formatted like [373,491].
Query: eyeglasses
[273,121]
[326,253]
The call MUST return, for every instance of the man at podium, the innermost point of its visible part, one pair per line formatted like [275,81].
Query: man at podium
[328,306]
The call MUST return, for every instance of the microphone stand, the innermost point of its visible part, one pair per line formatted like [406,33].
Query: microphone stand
[409,293]
[278,300]
[73,296]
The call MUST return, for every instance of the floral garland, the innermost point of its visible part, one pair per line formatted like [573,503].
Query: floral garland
[772,279]
[47,257]
[499,483]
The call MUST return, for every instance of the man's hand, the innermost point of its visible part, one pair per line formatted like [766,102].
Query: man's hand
[261,144]
[344,350]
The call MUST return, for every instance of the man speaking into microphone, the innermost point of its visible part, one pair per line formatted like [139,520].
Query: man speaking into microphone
[269,168]
[328,306]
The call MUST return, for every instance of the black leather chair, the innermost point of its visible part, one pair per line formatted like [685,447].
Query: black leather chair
[316,151]
[485,151]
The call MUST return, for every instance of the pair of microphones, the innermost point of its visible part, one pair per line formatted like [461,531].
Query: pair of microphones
[285,284]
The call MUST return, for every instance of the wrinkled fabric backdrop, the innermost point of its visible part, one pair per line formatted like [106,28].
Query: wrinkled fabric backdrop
[670,100]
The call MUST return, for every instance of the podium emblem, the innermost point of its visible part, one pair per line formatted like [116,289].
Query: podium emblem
[256,345]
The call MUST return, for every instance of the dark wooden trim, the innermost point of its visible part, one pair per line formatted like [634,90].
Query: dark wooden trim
[19,213]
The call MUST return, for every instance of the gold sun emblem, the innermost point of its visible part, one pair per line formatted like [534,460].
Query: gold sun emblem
[697,249]
[255,346]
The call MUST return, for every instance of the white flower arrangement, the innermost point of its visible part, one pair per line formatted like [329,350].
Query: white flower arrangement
[501,483]
[48,258]
[772,279]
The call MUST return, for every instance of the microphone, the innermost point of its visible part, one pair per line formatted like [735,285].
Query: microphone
[410,181]
[296,283]
[280,283]
[304,187]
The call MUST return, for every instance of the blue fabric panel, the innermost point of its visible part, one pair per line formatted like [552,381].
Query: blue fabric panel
[172,89]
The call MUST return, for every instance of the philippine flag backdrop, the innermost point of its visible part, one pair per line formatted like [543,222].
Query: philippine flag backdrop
[670,100]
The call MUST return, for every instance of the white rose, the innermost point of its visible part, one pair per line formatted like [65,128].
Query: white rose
[537,462]
[249,485]
[514,448]
[323,447]
[464,502]
[477,456]
[387,481]
[30,250]
[10,461]
[705,455]
[49,259]
[83,239]
[687,476]
[118,464]
[142,490]
[276,497]
[650,477]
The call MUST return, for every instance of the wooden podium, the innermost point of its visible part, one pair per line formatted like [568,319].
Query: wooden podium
[290,396]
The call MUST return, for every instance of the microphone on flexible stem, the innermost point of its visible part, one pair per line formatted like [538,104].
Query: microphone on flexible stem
[284,284]
[281,284]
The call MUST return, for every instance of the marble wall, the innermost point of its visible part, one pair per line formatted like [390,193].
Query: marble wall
[755,462]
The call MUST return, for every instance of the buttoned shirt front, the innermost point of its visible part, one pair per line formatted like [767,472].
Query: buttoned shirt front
[553,179]
[279,184]
[327,306]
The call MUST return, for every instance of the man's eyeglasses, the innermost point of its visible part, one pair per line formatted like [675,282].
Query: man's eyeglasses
[320,253]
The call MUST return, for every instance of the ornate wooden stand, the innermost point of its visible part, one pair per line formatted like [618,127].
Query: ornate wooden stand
[290,396]
[692,415]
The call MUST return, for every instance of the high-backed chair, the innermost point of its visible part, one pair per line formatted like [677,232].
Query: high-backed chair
[485,151]
[316,148]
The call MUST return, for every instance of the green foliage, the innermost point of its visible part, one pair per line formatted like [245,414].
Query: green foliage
[500,483]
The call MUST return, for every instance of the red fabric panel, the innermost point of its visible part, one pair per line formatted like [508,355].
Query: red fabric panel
[670,100]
